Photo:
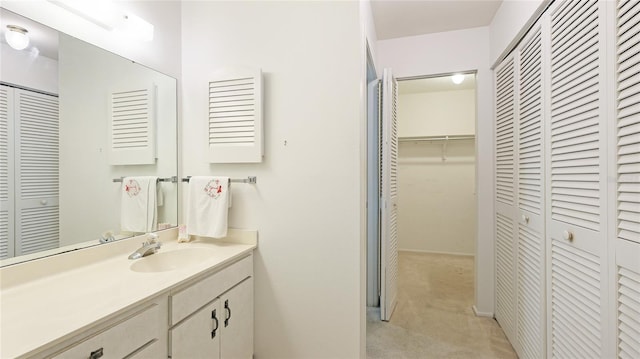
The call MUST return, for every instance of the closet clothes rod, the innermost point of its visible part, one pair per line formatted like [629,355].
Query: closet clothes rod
[249,179]
[437,138]
[172,179]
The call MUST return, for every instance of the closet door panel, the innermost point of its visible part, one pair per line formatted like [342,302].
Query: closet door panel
[37,148]
[530,190]
[627,164]
[6,172]
[577,181]
[506,198]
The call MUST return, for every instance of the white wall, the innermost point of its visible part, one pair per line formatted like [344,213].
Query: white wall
[307,202]
[458,51]
[437,113]
[508,21]
[87,76]
[24,69]
[436,198]
[162,54]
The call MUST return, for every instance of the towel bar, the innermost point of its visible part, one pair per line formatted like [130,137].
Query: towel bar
[250,179]
[172,179]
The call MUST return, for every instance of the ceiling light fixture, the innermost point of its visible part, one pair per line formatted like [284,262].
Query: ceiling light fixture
[108,15]
[17,37]
[457,79]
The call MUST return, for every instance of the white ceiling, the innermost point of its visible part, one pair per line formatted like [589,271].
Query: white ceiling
[400,18]
[436,84]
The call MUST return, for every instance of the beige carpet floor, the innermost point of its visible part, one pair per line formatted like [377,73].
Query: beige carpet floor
[434,316]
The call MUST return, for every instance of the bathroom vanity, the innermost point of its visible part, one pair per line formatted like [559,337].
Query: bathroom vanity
[188,300]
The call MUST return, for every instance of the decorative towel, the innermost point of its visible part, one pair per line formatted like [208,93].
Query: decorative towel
[208,206]
[138,207]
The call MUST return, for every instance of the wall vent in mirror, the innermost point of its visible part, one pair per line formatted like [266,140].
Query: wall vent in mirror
[235,116]
[132,126]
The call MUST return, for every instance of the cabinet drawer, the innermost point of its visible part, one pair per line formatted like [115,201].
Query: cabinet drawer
[190,299]
[121,339]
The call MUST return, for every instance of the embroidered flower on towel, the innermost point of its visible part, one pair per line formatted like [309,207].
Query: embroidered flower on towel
[213,189]
[132,188]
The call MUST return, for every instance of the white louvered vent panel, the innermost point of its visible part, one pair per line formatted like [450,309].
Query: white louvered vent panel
[39,145]
[530,130]
[530,287]
[575,304]
[4,234]
[232,111]
[4,144]
[235,117]
[39,229]
[504,133]
[130,119]
[505,291]
[132,138]
[575,147]
[628,122]
[628,313]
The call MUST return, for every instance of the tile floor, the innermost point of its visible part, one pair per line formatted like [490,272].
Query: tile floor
[434,316]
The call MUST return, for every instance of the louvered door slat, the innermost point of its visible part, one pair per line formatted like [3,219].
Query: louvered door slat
[235,116]
[6,171]
[575,302]
[37,183]
[505,116]
[530,315]
[530,130]
[628,298]
[628,120]
[575,136]
[505,291]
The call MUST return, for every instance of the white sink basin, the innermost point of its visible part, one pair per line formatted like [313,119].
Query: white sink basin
[171,260]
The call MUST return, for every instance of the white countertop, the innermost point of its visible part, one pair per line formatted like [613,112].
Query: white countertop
[47,301]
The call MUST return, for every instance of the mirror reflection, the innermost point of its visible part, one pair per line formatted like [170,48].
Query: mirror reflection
[88,144]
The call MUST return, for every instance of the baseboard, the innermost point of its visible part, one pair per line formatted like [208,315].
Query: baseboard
[481,314]
[436,252]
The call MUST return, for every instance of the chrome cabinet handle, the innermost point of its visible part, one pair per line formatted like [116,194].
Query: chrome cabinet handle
[226,306]
[215,322]
[98,353]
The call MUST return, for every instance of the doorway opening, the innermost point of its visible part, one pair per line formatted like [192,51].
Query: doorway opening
[436,201]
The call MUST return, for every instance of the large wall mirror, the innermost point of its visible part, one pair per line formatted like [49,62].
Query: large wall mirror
[74,121]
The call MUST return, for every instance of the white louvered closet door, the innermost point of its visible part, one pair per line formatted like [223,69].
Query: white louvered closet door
[6,172]
[389,202]
[530,190]
[576,218]
[36,161]
[627,157]
[505,226]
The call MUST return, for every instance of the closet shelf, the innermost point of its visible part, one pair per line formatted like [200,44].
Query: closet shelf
[436,138]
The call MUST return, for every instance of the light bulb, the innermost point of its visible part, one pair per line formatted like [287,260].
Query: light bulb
[457,79]
[17,37]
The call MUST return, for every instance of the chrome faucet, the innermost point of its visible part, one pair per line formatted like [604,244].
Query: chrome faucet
[150,246]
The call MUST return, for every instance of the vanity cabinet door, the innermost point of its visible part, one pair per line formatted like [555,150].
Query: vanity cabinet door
[198,336]
[237,323]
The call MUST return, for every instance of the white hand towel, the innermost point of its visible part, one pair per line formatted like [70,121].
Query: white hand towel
[208,206]
[138,208]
